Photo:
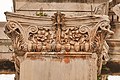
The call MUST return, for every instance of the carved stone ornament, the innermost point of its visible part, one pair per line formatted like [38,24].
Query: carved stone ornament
[15,31]
[61,37]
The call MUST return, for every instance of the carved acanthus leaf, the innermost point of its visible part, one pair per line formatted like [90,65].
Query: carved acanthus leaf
[14,30]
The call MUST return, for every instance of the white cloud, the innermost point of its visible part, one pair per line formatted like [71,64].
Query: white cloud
[5,5]
[7,76]
[110,0]
[114,78]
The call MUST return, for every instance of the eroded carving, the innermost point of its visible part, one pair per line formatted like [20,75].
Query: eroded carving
[86,38]
[14,30]
[78,38]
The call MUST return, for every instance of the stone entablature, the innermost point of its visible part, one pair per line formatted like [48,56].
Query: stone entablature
[70,9]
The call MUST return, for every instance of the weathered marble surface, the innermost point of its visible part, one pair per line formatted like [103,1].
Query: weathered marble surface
[70,9]
[50,67]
